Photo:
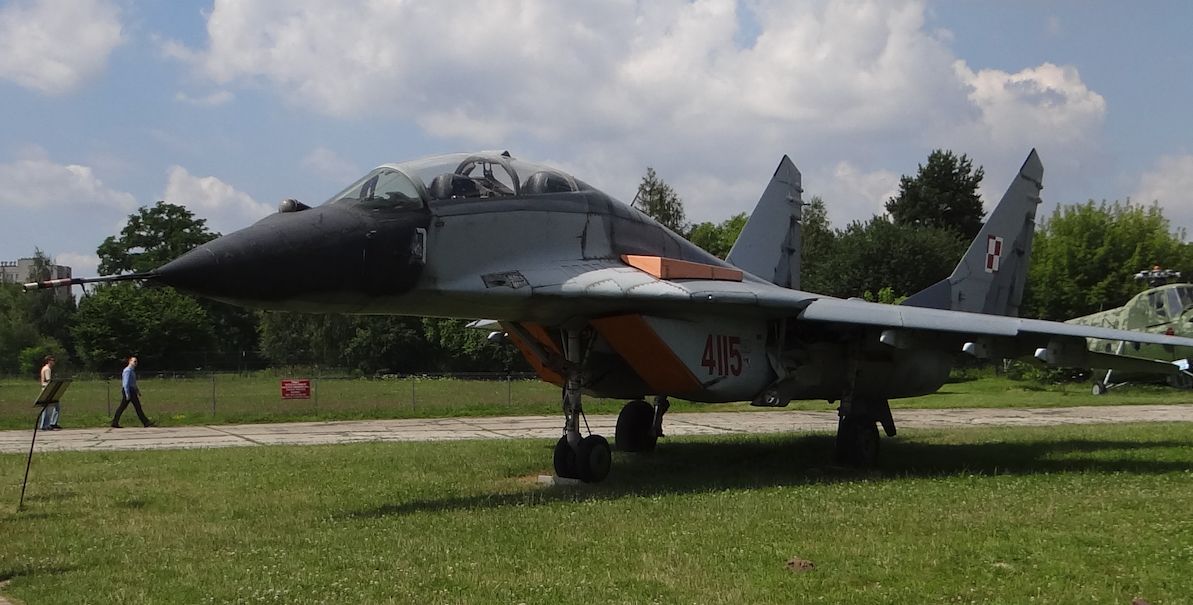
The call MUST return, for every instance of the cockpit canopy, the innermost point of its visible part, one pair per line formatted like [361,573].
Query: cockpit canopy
[411,185]
[1169,302]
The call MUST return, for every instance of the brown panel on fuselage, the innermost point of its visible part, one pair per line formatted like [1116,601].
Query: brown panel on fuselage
[672,268]
[540,335]
[633,338]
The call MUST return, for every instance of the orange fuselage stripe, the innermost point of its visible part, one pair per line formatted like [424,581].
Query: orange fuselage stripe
[647,353]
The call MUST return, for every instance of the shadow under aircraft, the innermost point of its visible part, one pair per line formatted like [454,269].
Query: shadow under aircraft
[601,299]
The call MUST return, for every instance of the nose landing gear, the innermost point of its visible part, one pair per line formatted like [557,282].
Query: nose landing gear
[588,459]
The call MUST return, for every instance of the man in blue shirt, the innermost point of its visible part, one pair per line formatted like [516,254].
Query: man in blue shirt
[129,393]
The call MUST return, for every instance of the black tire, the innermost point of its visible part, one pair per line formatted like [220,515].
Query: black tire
[1099,388]
[565,460]
[857,442]
[635,428]
[594,459]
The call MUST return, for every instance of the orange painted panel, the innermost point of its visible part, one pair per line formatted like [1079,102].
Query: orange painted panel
[538,333]
[670,268]
[647,353]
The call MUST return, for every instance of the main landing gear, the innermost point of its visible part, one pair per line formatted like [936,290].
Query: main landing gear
[588,459]
[857,431]
[639,425]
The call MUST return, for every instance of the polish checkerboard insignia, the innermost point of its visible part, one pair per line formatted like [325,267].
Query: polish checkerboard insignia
[993,253]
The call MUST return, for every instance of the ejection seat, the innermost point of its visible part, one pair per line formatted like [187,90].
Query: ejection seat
[449,185]
[547,182]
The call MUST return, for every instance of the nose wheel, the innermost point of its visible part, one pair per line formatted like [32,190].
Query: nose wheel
[590,458]
[590,461]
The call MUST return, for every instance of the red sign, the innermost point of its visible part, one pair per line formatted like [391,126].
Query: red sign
[296,389]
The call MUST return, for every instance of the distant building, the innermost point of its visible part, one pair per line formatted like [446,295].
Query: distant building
[19,272]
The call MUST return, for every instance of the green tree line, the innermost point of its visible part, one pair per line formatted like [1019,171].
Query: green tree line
[1083,261]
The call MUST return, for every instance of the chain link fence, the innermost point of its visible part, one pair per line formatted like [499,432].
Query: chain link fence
[193,397]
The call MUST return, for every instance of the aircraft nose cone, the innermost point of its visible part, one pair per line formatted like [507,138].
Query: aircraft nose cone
[299,256]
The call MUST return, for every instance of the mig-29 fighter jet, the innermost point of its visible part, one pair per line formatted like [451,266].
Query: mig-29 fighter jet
[602,299]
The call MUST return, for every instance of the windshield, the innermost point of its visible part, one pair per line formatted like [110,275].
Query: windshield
[1179,299]
[381,189]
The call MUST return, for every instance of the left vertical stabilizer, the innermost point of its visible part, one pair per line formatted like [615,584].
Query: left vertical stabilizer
[769,244]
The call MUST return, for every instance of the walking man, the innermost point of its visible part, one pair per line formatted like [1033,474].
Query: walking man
[129,393]
[49,413]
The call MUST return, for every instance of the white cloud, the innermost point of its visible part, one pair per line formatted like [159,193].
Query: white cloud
[1048,100]
[1170,184]
[225,208]
[33,181]
[54,45]
[325,163]
[851,194]
[211,100]
[81,265]
[611,87]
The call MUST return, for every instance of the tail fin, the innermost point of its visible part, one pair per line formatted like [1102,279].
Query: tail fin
[769,244]
[992,274]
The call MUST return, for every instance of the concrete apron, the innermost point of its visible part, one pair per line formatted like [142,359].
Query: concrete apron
[549,427]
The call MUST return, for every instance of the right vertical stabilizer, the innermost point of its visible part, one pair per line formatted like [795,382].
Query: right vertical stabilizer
[992,274]
[769,244]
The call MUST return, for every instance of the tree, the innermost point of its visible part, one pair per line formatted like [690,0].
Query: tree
[1085,256]
[17,332]
[463,349]
[156,235]
[50,314]
[371,343]
[657,200]
[943,194]
[718,239]
[817,243]
[159,324]
[151,238]
[879,254]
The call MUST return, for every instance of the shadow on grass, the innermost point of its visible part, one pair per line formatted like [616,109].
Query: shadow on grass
[27,571]
[700,466]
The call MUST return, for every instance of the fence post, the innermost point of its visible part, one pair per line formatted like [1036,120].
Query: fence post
[213,394]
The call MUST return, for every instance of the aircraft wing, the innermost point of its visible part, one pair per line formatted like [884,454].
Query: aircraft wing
[612,287]
[1054,343]
[935,320]
[631,288]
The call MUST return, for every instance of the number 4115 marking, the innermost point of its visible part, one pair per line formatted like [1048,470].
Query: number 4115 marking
[721,355]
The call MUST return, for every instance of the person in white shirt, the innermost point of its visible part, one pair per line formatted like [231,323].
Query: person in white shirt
[49,413]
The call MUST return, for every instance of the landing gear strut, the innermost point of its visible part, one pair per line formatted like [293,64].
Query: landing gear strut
[588,459]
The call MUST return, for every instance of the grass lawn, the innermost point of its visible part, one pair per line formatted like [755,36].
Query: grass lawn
[1086,514]
[249,399]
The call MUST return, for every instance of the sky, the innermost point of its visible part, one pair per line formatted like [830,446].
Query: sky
[229,107]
